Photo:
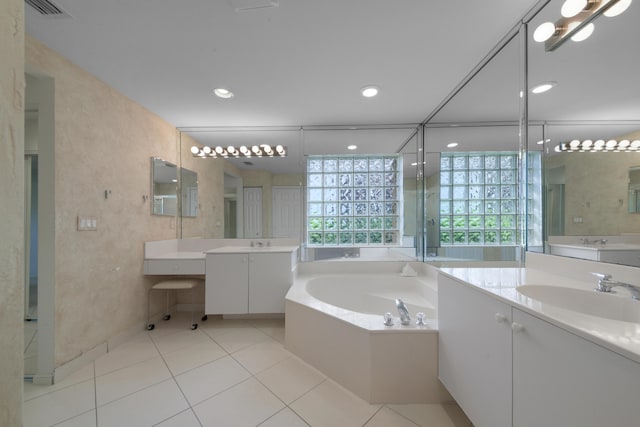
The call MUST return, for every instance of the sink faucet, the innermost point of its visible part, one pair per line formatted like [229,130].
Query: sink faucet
[405,319]
[606,283]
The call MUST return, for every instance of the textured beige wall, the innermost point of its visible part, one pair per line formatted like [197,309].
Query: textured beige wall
[11,210]
[104,142]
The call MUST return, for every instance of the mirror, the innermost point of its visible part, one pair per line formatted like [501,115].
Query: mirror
[587,194]
[164,186]
[189,192]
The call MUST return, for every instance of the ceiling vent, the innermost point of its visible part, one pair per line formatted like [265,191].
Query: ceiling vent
[46,8]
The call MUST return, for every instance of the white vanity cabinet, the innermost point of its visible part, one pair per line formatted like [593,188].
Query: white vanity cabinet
[561,379]
[474,360]
[241,283]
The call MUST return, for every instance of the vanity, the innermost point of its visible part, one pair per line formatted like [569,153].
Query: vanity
[242,276]
[537,347]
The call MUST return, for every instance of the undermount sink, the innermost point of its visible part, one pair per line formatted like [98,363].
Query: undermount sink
[588,302]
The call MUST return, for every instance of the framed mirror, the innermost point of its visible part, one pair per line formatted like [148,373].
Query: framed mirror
[164,187]
[189,192]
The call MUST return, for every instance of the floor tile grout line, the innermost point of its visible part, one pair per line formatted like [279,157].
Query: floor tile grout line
[95,392]
[373,416]
[386,405]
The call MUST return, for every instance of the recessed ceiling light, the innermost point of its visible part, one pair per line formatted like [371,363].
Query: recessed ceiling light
[543,87]
[221,92]
[369,91]
[452,144]
[352,147]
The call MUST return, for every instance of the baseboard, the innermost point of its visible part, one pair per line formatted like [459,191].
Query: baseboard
[79,362]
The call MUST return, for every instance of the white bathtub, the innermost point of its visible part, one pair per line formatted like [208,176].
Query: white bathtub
[334,321]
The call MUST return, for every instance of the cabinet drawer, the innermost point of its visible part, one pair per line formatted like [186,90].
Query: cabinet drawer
[172,266]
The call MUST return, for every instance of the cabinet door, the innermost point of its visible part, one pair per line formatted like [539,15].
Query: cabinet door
[561,379]
[475,352]
[270,277]
[227,284]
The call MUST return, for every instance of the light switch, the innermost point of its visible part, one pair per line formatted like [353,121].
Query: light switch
[87,224]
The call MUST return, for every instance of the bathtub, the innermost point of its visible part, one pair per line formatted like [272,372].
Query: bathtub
[334,321]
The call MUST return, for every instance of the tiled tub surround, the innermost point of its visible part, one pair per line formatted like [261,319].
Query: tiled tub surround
[348,341]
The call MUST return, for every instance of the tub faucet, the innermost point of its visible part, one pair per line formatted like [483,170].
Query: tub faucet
[405,319]
[606,283]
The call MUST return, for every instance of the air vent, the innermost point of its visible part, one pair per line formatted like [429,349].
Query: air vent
[46,8]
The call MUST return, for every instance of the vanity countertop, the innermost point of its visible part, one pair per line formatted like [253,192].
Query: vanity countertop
[251,250]
[180,255]
[619,336]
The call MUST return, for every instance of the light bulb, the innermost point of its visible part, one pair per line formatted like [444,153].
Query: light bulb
[617,8]
[544,32]
[231,149]
[624,143]
[219,150]
[195,150]
[611,144]
[571,8]
[635,144]
[584,33]
[256,149]
[369,91]
[206,149]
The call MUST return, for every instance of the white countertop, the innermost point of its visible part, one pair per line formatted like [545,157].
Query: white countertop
[181,255]
[251,250]
[618,336]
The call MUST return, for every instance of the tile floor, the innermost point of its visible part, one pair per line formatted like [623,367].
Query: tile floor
[225,373]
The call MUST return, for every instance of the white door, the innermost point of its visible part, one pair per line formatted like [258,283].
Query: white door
[252,212]
[286,215]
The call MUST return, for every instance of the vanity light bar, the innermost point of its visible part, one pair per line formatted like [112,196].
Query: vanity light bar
[599,145]
[262,150]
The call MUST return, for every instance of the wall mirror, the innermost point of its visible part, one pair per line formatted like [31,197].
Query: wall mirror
[189,192]
[594,97]
[164,187]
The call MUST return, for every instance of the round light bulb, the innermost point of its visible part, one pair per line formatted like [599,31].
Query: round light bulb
[221,92]
[571,8]
[219,149]
[617,8]
[280,149]
[624,143]
[352,147]
[195,150]
[206,149]
[586,144]
[611,144]
[635,144]
[544,32]
[369,91]
[584,33]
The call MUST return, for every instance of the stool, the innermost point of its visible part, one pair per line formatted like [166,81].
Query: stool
[176,285]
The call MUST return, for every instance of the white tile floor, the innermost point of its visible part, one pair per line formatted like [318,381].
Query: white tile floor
[225,373]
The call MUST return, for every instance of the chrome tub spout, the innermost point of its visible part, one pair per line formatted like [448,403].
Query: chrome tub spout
[405,318]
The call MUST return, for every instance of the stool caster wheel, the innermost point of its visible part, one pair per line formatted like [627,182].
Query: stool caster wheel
[194,326]
[166,317]
[150,327]
[205,317]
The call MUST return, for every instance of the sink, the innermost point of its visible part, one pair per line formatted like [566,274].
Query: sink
[588,302]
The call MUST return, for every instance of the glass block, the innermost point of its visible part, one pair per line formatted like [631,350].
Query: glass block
[459,237]
[390,164]
[460,207]
[508,162]
[476,162]
[315,238]
[508,177]
[491,162]
[391,223]
[476,207]
[491,206]
[475,221]
[445,162]
[346,224]
[330,209]
[390,178]
[375,237]
[346,180]
[360,223]
[459,222]
[330,180]
[314,209]
[508,192]
[331,223]
[391,208]
[330,165]
[315,180]
[445,192]
[315,195]
[361,237]
[346,209]
[346,238]
[345,165]
[375,208]
[360,165]
[375,194]
[491,177]
[376,165]
[330,195]
[507,221]
[314,165]
[375,223]
[460,192]
[445,178]
[475,237]
[476,177]
[360,194]
[375,180]
[491,192]
[445,222]
[445,237]
[507,236]
[346,194]
[445,207]
[314,224]
[460,177]
[459,163]
[490,237]
[475,192]
[491,221]
[390,237]
[330,238]
[508,206]
[391,193]
[360,179]
[361,209]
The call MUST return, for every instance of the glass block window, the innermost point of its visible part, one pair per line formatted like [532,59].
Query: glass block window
[354,200]
[478,198]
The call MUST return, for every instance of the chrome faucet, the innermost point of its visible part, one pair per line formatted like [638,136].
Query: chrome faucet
[606,283]
[405,318]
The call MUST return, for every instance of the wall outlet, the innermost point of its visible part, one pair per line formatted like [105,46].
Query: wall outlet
[87,224]
[577,220]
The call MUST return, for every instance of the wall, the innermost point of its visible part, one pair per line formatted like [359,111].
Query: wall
[103,145]
[11,210]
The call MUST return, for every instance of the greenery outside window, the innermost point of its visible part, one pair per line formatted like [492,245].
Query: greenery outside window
[354,200]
